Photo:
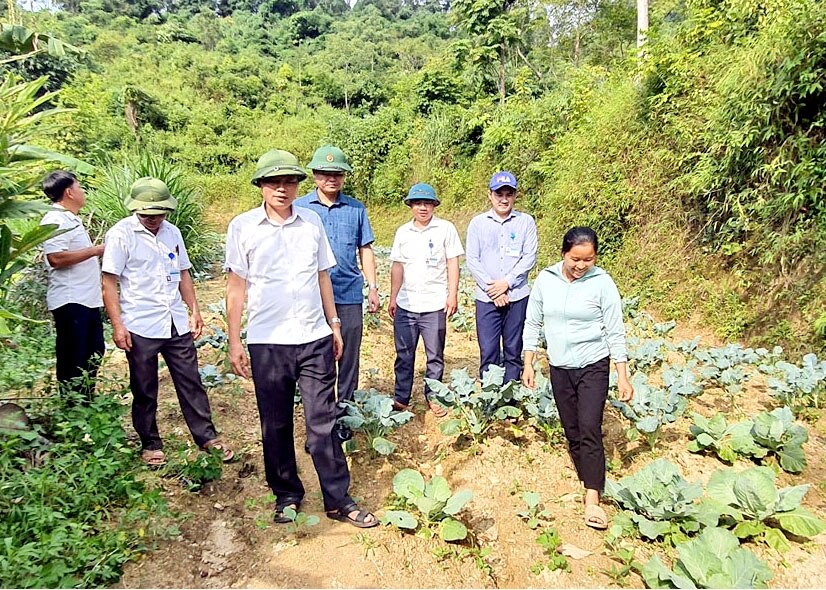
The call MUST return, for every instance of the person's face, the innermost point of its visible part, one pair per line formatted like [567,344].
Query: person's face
[279,192]
[578,260]
[502,200]
[76,193]
[328,182]
[152,222]
[422,210]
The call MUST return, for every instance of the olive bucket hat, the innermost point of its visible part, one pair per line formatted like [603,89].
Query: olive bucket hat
[329,159]
[277,163]
[150,196]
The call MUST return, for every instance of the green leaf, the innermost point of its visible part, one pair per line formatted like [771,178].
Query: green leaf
[450,427]
[791,497]
[755,491]
[775,539]
[408,483]
[792,459]
[437,489]
[749,528]
[800,522]
[383,446]
[31,152]
[457,501]
[451,529]
[399,518]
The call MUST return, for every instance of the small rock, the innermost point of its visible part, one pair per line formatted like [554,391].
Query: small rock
[573,551]
[218,506]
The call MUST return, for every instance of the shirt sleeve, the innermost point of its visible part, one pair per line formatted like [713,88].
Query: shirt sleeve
[533,317]
[396,250]
[474,256]
[115,253]
[611,303]
[453,244]
[366,236]
[527,260]
[235,259]
[183,257]
[59,243]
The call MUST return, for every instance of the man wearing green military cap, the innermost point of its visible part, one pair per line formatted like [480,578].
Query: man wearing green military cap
[147,256]
[348,229]
[277,261]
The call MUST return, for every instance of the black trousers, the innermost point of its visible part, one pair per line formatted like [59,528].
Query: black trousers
[182,361]
[352,326]
[580,396]
[276,370]
[407,327]
[79,346]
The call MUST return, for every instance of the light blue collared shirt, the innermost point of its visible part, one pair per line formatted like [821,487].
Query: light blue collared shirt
[501,249]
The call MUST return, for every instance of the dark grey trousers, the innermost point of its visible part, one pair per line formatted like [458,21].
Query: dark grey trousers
[79,347]
[580,396]
[182,361]
[352,326]
[407,327]
[276,369]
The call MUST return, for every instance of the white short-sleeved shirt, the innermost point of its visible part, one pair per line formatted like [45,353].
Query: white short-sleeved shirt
[78,283]
[149,269]
[424,254]
[280,263]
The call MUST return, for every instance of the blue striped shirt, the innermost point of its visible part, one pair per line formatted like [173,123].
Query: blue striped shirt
[348,229]
[501,249]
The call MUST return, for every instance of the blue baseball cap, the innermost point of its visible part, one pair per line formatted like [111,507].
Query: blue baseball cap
[421,192]
[503,178]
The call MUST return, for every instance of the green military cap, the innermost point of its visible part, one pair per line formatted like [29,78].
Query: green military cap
[329,159]
[277,163]
[150,196]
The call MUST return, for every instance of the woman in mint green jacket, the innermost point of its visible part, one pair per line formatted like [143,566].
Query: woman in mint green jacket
[580,308]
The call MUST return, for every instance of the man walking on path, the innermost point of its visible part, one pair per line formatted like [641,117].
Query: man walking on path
[277,260]
[501,251]
[349,232]
[73,295]
[424,288]
[147,256]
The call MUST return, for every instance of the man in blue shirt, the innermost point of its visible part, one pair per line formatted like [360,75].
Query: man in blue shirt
[501,251]
[348,229]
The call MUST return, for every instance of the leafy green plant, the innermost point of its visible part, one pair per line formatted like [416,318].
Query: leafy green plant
[799,387]
[475,406]
[372,413]
[300,522]
[777,432]
[753,506]
[650,409]
[682,380]
[192,469]
[717,436]
[540,407]
[713,560]
[429,505]
[645,354]
[550,542]
[535,512]
[660,502]
[624,563]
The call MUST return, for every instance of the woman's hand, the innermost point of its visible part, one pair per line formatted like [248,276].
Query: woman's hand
[528,376]
[626,390]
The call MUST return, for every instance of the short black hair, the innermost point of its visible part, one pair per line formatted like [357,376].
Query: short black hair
[56,183]
[579,235]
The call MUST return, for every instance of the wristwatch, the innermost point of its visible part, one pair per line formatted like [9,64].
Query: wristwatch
[334,321]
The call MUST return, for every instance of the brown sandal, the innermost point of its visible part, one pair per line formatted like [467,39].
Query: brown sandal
[153,457]
[228,453]
[595,517]
[438,410]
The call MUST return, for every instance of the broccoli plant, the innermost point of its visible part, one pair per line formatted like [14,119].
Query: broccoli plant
[650,409]
[540,407]
[713,560]
[798,387]
[429,505]
[752,505]
[372,413]
[535,512]
[682,379]
[645,354]
[475,407]
[660,502]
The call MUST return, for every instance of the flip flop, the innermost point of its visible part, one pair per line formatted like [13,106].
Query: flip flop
[343,515]
[595,517]
[438,410]
[153,458]
[228,453]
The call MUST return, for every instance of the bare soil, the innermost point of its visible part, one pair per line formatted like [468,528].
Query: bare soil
[228,539]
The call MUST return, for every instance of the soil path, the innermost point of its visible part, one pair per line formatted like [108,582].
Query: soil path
[227,538]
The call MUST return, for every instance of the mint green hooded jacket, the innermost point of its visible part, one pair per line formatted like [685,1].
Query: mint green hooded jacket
[582,318]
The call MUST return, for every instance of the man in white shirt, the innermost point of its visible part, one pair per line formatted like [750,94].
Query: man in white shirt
[147,256]
[73,294]
[424,287]
[277,261]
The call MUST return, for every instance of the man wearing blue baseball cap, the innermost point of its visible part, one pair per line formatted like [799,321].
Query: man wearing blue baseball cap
[424,289]
[501,251]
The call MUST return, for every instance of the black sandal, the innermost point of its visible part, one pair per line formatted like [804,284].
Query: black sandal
[343,515]
[279,517]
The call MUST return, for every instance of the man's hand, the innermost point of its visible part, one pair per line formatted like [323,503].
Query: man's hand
[338,343]
[502,300]
[373,302]
[391,308]
[122,337]
[98,249]
[452,305]
[196,324]
[497,288]
[238,359]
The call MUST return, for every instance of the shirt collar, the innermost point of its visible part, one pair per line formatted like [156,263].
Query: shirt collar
[492,214]
[262,215]
[60,208]
[314,198]
[434,221]
[138,226]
